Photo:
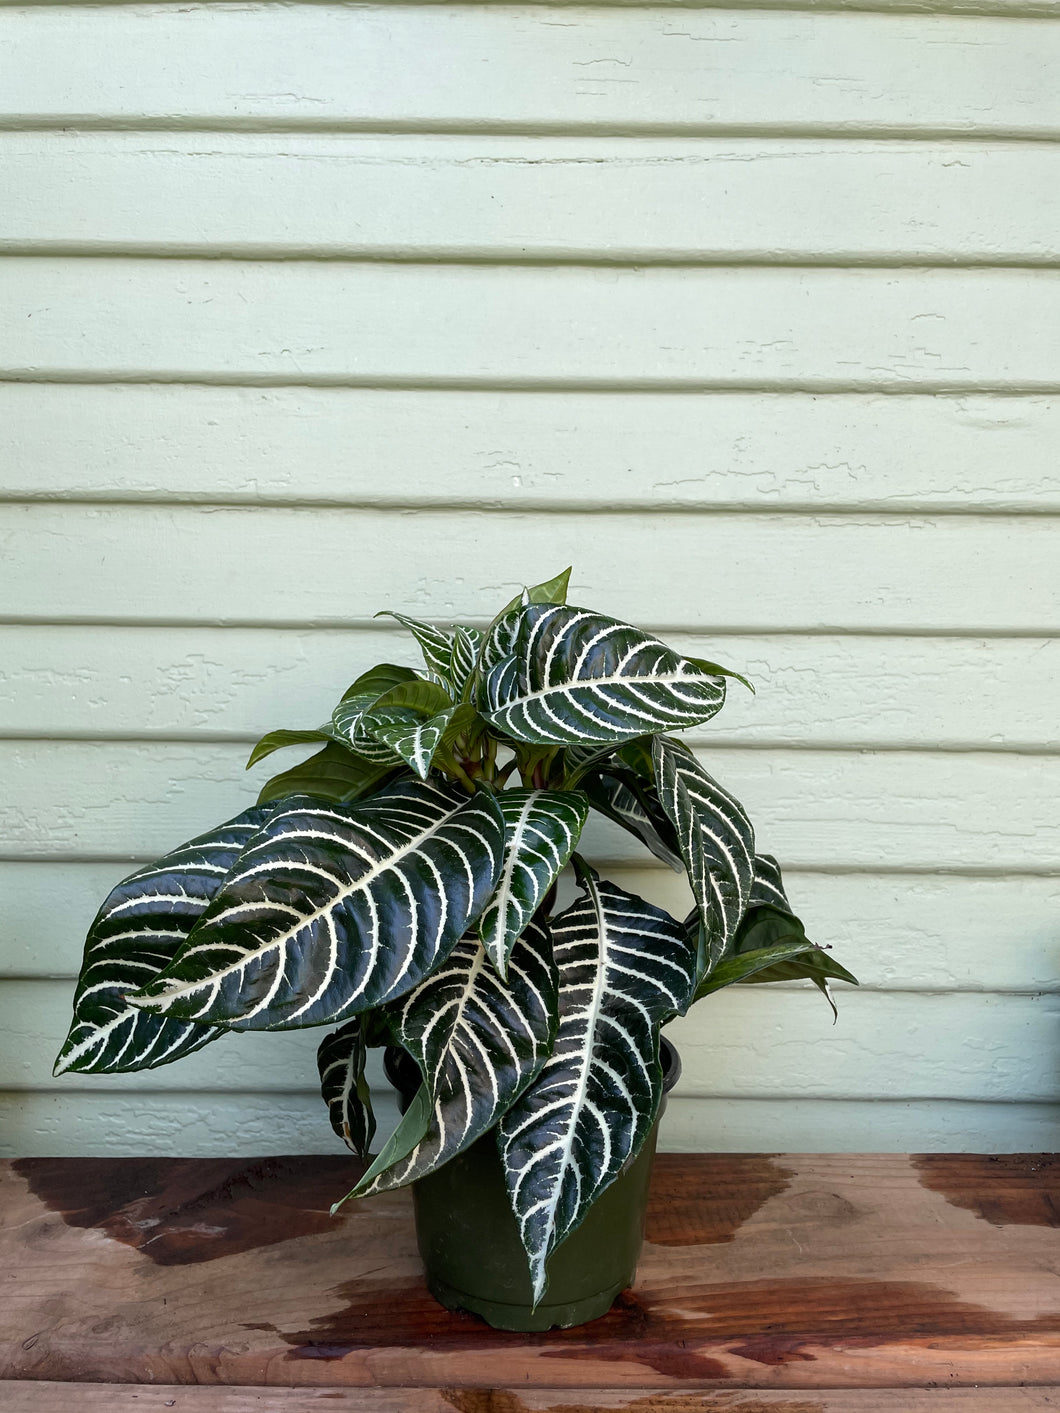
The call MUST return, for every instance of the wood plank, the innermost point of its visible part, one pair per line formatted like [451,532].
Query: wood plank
[646,199]
[631,69]
[813,809]
[30,1397]
[745,1042]
[796,1272]
[235,683]
[93,1123]
[698,573]
[899,932]
[532,450]
[374,323]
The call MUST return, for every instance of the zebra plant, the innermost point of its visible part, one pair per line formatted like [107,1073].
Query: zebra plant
[400,885]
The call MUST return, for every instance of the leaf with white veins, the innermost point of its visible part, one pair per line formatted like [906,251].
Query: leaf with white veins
[571,676]
[335,909]
[542,828]
[137,932]
[716,842]
[624,968]
[341,1059]
[478,1044]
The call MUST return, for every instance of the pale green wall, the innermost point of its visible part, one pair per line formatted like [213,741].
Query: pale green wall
[760,334]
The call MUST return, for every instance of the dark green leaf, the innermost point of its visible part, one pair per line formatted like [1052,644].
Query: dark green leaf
[333,910]
[279,740]
[635,806]
[541,831]
[767,926]
[744,966]
[467,643]
[572,676]
[340,1060]
[411,1128]
[625,968]
[412,737]
[136,934]
[716,842]
[335,773]
[717,671]
[478,1044]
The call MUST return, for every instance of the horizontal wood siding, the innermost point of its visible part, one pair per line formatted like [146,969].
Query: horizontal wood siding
[751,313]
[398,324]
[729,571]
[737,200]
[815,809]
[497,68]
[967,453]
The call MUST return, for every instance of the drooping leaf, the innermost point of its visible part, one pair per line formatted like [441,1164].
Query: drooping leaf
[333,910]
[767,886]
[718,671]
[624,967]
[766,926]
[716,842]
[541,831]
[573,676]
[744,965]
[341,1060]
[637,809]
[336,773]
[279,740]
[478,1044]
[136,933]
[411,1128]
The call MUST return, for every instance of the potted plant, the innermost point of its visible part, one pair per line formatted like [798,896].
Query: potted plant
[400,885]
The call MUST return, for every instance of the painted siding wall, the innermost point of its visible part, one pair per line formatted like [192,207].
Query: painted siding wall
[751,314]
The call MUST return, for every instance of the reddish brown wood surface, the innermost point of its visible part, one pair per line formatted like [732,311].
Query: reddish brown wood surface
[26,1397]
[786,1273]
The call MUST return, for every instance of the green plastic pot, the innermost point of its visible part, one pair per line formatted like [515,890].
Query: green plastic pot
[469,1239]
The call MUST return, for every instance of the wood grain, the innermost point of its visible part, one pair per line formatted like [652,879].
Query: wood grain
[538,326]
[795,1273]
[628,69]
[646,199]
[529,450]
[48,1397]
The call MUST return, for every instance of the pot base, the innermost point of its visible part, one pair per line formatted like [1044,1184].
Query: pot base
[520,1317]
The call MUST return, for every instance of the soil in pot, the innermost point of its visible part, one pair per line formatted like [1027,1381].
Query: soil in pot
[469,1239]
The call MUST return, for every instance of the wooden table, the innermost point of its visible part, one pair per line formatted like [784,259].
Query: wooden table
[799,1284]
